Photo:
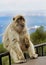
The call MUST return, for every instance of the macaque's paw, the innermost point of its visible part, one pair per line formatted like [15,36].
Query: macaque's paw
[35,56]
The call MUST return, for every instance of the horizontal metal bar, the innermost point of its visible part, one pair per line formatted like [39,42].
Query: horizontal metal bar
[39,45]
[4,54]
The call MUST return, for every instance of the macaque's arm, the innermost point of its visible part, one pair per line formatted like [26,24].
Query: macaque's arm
[27,39]
[13,36]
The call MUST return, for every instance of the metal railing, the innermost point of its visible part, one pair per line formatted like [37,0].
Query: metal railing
[7,53]
[42,48]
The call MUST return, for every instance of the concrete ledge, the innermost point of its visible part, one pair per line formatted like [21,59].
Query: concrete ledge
[38,61]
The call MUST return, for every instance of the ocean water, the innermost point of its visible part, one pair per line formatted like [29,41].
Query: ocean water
[30,21]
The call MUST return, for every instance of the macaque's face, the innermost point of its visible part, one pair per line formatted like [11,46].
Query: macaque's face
[20,23]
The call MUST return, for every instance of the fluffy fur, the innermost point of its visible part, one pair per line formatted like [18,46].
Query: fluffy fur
[16,40]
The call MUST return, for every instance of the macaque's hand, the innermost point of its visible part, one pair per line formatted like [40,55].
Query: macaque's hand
[26,40]
[27,46]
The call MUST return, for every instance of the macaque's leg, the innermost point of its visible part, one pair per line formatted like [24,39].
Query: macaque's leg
[13,55]
[17,54]
[31,51]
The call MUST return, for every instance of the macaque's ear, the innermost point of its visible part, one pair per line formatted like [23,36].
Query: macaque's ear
[13,18]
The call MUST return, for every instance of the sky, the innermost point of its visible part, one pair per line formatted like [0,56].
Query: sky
[20,6]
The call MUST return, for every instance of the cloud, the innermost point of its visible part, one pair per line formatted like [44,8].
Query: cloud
[20,6]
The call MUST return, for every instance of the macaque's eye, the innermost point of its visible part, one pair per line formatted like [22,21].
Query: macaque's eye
[13,18]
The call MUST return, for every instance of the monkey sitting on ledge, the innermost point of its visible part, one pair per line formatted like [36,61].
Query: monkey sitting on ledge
[17,40]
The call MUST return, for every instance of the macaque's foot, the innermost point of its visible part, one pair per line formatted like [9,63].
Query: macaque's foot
[20,61]
[35,56]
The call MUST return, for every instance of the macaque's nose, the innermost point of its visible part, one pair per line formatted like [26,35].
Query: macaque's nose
[22,25]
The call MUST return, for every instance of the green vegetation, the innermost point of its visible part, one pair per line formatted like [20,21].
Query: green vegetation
[2,49]
[5,60]
[39,36]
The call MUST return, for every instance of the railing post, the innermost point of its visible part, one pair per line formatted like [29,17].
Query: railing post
[0,61]
[9,59]
[37,50]
[42,50]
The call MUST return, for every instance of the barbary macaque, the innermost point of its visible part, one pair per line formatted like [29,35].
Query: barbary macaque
[17,40]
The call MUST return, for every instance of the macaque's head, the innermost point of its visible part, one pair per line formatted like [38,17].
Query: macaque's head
[19,21]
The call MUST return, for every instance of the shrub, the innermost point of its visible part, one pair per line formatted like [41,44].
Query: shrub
[39,36]
[2,49]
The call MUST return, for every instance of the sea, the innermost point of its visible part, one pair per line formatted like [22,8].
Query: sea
[31,21]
